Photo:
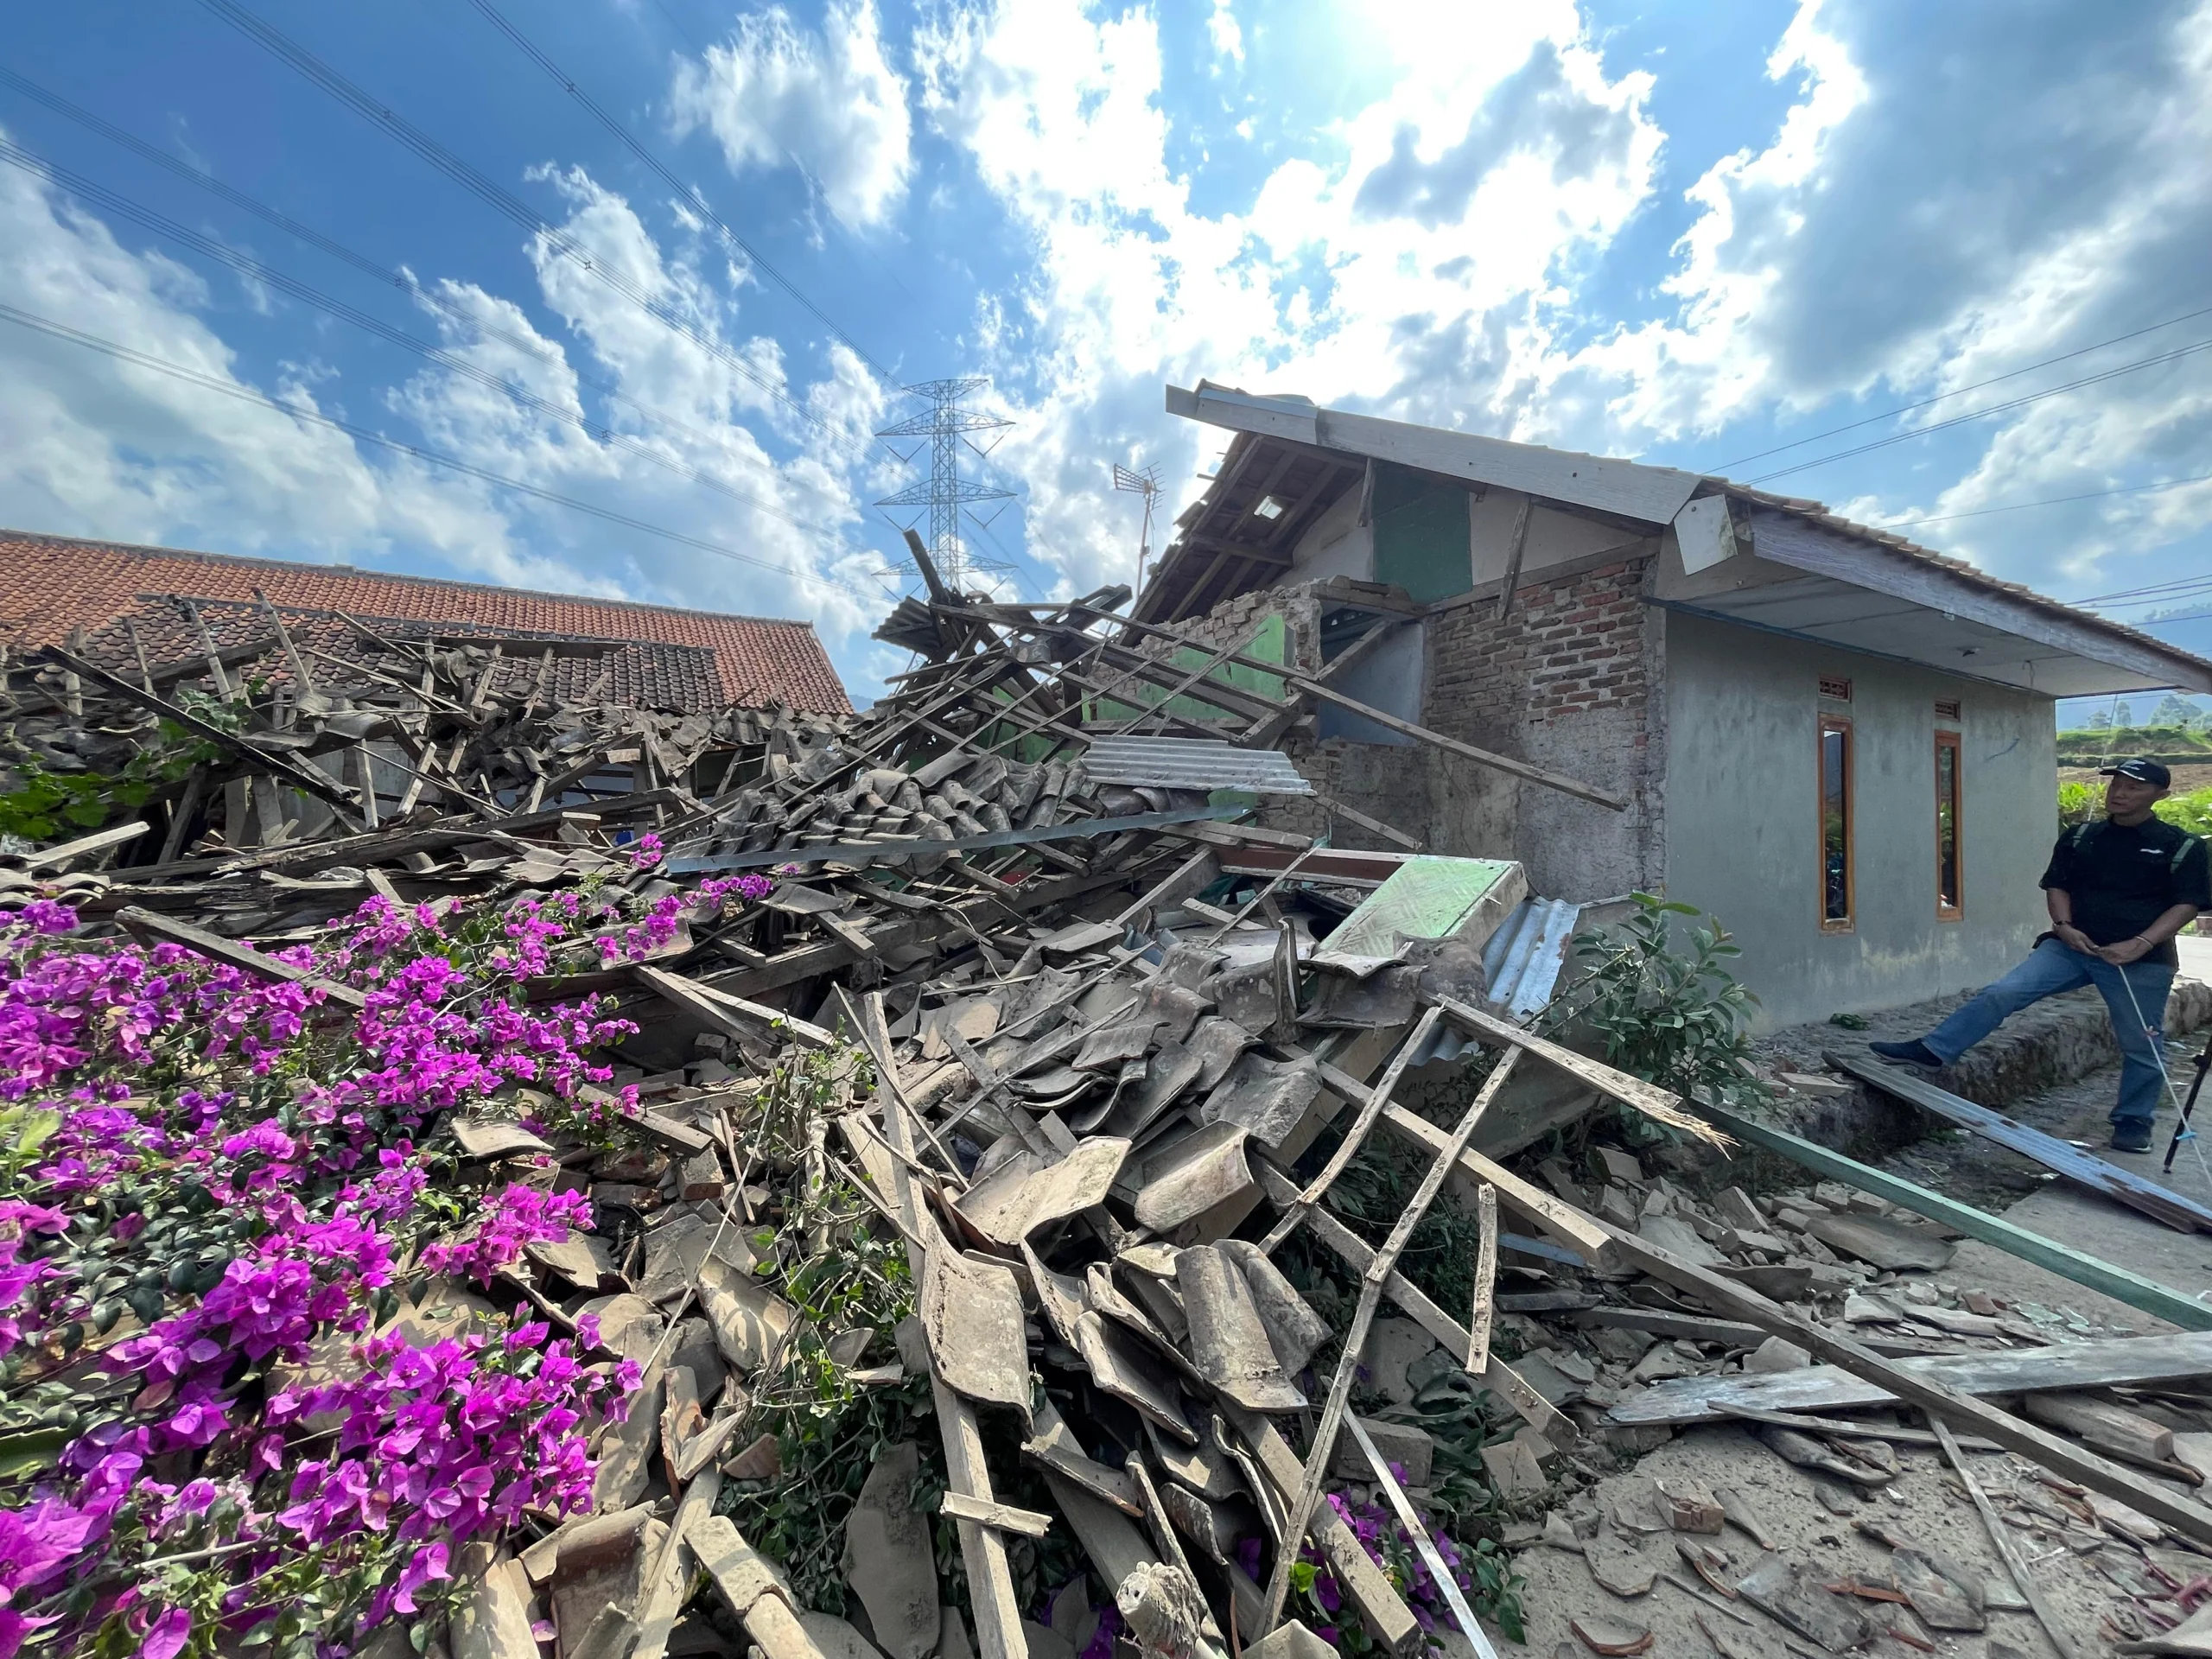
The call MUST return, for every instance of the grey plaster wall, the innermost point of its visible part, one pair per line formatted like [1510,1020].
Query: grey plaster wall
[1742,818]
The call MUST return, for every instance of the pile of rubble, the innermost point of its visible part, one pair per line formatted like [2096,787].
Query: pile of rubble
[988,1159]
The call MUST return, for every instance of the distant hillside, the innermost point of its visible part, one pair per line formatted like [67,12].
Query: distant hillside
[2171,744]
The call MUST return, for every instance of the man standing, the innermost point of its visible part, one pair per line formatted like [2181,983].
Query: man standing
[2118,890]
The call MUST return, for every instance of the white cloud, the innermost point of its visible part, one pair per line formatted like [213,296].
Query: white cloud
[1221,28]
[831,101]
[1500,154]
[92,446]
[1913,230]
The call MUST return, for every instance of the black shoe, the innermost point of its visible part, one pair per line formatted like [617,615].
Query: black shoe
[2131,1137]
[1914,1053]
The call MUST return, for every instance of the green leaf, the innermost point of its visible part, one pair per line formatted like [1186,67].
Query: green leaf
[27,1453]
[32,1129]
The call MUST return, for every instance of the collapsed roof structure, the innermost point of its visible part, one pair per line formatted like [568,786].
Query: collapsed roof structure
[979,1125]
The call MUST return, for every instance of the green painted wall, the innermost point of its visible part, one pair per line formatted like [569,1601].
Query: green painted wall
[1421,534]
[1269,644]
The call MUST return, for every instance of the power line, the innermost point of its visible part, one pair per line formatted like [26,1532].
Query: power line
[528,345]
[229,389]
[2053,501]
[247,266]
[690,193]
[1960,391]
[1994,409]
[314,69]
[2154,589]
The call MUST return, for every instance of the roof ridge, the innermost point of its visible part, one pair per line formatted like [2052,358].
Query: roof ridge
[154,550]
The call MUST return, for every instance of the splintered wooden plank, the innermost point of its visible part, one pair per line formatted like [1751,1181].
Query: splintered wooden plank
[2161,1204]
[98,842]
[1496,1376]
[732,1015]
[2113,1361]
[996,1605]
[2014,1240]
[146,923]
[1931,1393]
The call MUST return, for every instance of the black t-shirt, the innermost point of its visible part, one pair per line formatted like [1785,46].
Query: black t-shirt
[2121,880]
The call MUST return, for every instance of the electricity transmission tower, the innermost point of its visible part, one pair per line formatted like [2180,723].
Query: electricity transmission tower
[947,426]
[1145,481]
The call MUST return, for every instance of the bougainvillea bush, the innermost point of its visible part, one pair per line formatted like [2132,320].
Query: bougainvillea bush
[217,1194]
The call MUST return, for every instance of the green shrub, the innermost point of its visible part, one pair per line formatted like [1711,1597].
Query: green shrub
[1656,990]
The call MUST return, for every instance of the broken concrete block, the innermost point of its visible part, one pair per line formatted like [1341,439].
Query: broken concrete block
[1777,1354]
[835,1639]
[1513,1469]
[1611,1164]
[1392,1346]
[888,1558]
[1413,1450]
[1676,1237]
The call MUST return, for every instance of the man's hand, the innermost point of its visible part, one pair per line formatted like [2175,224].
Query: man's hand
[2075,939]
[2126,952]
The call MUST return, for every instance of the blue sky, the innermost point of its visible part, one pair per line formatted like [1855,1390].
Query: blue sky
[1687,234]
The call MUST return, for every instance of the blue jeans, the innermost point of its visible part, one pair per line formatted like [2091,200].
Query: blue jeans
[2053,968]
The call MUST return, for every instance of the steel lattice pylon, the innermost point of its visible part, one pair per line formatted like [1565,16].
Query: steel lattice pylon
[947,426]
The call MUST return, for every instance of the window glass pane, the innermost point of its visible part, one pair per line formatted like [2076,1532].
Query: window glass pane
[1947,826]
[1835,824]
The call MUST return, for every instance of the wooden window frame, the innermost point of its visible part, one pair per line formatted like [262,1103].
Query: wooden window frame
[1849,921]
[1955,912]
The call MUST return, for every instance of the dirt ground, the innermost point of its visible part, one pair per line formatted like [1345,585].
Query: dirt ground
[2085,1574]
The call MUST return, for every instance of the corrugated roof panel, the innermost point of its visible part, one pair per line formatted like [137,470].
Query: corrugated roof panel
[1190,763]
[1522,964]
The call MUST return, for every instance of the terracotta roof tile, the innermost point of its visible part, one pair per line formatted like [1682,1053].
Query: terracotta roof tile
[56,584]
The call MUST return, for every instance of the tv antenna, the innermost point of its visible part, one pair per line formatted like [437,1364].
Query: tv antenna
[1144,481]
[947,426]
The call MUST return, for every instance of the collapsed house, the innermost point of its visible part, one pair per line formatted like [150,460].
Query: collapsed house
[1836,740]
[986,1204]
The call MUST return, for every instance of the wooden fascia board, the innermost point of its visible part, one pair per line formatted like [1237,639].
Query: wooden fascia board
[1649,495]
[1788,539]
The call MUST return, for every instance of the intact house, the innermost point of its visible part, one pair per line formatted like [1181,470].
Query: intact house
[1837,743]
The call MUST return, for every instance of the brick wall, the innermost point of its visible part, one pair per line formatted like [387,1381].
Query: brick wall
[1567,682]
[1570,647]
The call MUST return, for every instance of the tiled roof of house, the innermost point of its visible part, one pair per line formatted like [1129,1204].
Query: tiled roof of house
[1818,512]
[54,584]
[636,674]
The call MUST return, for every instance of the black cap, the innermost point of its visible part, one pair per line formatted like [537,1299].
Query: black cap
[2142,771]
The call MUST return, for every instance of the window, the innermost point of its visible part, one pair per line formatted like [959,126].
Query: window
[1835,824]
[1835,686]
[1950,895]
[1947,709]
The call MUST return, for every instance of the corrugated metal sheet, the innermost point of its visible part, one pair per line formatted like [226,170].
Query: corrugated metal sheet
[1190,763]
[1522,963]
[1520,968]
